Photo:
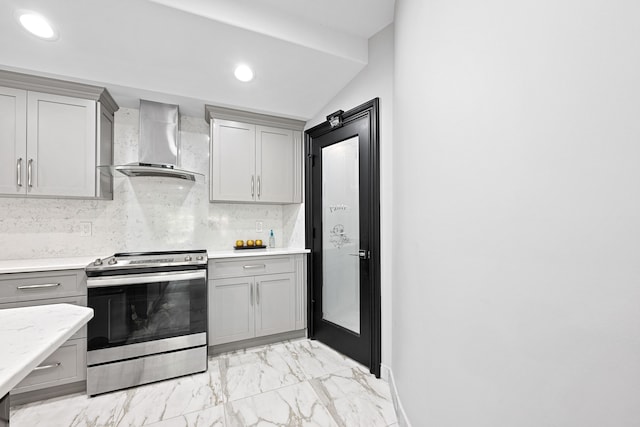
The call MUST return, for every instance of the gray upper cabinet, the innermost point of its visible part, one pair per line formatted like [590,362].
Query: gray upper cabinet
[254,157]
[54,135]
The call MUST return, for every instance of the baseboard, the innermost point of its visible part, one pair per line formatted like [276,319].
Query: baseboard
[48,393]
[387,374]
[214,350]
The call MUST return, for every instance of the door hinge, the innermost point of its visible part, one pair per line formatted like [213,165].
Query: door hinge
[313,233]
[312,159]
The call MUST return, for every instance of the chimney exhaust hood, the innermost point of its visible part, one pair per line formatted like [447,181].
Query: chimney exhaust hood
[158,145]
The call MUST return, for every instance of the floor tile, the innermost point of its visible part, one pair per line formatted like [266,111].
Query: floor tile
[69,411]
[356,398]
[248,373]
[167,399]
[210,417]
[296,405]
[295,383]
[316,359]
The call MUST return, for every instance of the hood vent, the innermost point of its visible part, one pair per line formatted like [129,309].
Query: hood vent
[158,145]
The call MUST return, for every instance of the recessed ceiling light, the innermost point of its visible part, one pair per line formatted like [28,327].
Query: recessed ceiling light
[37,25]
[243,73]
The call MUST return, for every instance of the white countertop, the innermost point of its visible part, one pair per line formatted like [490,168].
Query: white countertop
[44,264]
[234,253]
[51,264]
[30,334]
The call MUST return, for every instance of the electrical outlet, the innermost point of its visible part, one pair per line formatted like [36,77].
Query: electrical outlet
[85,228]
[258,226]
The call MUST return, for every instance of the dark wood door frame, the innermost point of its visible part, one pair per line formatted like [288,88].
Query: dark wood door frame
[370,109]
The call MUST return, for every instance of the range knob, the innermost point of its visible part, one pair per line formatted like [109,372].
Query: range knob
[97,262]
[199,258]
[187,258]
[112,261]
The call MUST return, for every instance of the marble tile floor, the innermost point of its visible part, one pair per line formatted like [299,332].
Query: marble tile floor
[294,383]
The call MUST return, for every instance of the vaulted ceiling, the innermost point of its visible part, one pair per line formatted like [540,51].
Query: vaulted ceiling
[184,51]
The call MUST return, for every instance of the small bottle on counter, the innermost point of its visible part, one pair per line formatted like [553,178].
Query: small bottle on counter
[272,240]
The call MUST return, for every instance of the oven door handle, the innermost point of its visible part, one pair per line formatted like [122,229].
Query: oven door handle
[136,279]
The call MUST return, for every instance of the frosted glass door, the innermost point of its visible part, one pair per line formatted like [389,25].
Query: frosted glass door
[341,234]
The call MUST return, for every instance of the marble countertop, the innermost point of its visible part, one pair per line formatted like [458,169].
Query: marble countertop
[30,334]
[52,264]
[44,264]
[233,253]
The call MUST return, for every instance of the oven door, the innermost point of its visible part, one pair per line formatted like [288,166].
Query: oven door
[139,308]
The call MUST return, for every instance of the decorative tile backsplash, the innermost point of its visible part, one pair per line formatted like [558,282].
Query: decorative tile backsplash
[145,213]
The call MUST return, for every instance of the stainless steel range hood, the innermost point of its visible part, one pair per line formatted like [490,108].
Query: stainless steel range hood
[158,145]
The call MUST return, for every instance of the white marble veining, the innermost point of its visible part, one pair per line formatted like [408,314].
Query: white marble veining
[145,214]
[30,334]
[295,383]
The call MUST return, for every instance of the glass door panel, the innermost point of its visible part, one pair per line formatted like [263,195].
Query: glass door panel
[341,234]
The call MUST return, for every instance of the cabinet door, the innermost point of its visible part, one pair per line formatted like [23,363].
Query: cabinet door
[61,145]
[233,161]
[275,304]
[277,169]
[231,305]
[13,140]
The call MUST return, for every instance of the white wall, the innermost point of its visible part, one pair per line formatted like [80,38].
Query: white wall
[146,213]
[376,80]
[516,273]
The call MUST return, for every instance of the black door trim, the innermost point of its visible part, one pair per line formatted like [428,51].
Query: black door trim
[370,108]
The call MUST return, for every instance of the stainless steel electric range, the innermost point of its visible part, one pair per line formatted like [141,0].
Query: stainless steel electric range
[150,318]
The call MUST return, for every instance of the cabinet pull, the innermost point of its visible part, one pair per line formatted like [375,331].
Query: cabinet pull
[44,285]
[259,186]
[19,172]
[258,293]
[30,173]
[252,192]
[249,267]
[43,367]
[251,294]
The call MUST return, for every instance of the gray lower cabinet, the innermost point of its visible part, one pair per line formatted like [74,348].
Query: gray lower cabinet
[68,364]
[255,297]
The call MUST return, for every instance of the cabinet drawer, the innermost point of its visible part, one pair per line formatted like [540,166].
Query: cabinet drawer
[35,286]
[67,364]
[251,266]
[80,300]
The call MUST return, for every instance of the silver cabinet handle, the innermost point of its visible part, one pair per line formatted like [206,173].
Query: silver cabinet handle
[259,186]
[251,294]
[43,367]
[44,285]
[30,173]
[252,192]
[258,293]
[249,267]
[19,172]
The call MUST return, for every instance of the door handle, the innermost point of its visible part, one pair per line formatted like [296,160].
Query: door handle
[44,367]
[30,173]
[363,254]
[19,172]
[259,186]
[40,286]
[257,293]
[252,186]
[251,294]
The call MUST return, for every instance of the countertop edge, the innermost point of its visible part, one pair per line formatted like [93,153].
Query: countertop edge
[79,263]
[256,252]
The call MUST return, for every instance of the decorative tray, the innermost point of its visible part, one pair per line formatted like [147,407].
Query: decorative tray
[250,247]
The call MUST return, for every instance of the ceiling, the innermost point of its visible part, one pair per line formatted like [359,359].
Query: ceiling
[184,51]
